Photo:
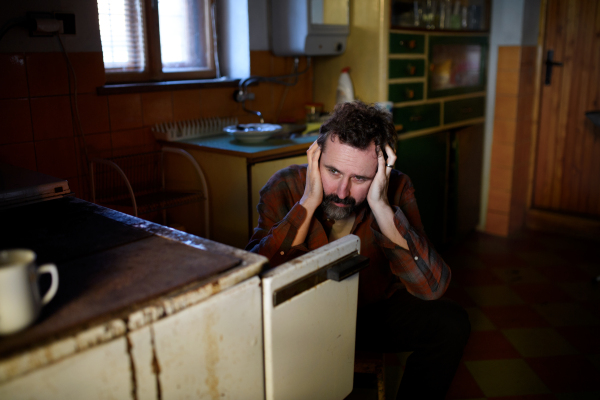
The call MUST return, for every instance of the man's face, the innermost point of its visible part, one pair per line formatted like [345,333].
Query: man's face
[347,174]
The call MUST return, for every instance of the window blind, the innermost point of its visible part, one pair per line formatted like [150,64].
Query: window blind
[122,35]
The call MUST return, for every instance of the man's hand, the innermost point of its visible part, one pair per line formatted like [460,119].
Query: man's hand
[378,200]
[377,196]
[313,191]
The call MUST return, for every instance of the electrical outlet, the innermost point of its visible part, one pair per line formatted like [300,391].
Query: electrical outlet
[44,24]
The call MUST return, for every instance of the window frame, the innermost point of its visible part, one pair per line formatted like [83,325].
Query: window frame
[153,69]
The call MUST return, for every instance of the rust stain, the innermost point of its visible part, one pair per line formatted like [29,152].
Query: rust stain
[211,357]
[155,364]
[132,367]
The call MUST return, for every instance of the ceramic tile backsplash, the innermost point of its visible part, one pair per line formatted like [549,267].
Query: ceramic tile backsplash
[35,112]
[19,154]
[186,104]
[125,111]
[13,79]
[47,74]
[89,69]
[56,157]
[51,117]
[16,119]
[93,111]
[157,107]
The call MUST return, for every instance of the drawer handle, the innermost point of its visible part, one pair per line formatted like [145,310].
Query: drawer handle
[411,69]
[410,93]
[411,44]
[347,268]
[414,118]
[466,110]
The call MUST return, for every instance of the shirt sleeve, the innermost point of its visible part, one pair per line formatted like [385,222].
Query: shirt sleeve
[279,218]
[420,268]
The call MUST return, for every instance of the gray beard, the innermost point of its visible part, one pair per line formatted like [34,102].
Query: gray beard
[334,212]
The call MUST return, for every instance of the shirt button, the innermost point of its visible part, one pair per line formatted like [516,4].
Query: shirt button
[282,253]
[416,258]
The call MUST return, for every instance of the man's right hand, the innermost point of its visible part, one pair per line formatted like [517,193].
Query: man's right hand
[313,191]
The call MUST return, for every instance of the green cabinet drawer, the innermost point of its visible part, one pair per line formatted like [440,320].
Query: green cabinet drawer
[406,68]
[399,92]
[461,110]
[402,43]
[414,118]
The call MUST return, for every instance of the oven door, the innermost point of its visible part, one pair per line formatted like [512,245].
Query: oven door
[309,314]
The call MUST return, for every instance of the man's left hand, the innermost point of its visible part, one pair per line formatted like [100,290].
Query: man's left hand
[377,196]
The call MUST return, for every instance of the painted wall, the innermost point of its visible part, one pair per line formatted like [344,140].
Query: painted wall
[513,23]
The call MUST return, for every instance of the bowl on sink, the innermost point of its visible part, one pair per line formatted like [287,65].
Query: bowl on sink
[252,133]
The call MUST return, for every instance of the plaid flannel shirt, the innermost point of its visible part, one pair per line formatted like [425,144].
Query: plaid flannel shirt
[419,269]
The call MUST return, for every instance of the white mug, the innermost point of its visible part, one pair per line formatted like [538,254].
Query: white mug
[20,302]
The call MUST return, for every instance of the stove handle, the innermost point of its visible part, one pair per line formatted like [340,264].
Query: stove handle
[347,268]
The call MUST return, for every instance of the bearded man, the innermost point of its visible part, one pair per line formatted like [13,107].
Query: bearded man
[349,186]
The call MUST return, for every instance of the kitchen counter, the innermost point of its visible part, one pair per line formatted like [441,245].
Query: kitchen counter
[120,278]
[274,148]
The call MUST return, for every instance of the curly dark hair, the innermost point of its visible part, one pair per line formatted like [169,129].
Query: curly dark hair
[358,124]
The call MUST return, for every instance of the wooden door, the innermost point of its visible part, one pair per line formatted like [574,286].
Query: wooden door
[567,173]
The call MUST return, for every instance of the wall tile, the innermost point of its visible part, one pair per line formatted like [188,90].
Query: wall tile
[98,145]
[218,102]
[507,81]
[19,154]
[500,179]
[186,104]
[260,63]
[56,157]
[51,117]
[505,131]
[93,112]
[16,121]
[125,111]
[89,69]
[499,201]
[47,74]
[502,155]
[509,57]
[528,55]
[157,107]
[126,142]
[13,79]
[506,106]
[497,223]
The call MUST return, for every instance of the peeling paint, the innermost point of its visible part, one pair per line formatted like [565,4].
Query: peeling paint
[100,334]
[155,364]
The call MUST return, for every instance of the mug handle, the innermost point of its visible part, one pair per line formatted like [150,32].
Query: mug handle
[49,269]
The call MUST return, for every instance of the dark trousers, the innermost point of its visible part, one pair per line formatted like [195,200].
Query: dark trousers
[436,331]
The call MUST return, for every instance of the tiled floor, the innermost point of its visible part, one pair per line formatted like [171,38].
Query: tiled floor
[535,311]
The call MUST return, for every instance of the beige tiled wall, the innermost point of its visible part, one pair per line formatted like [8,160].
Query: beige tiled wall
[513,121]
[36,128]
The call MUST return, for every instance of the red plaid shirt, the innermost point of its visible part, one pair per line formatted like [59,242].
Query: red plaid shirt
[420,269]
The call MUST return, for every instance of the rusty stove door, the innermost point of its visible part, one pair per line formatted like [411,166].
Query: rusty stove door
[309,316]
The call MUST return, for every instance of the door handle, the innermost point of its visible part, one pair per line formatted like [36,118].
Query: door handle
[549,64]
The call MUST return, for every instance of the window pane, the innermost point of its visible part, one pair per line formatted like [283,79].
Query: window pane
[183,35]
[122,35]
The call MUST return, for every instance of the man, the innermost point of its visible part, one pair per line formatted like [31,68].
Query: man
[349,186]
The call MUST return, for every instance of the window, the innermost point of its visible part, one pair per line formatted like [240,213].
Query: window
[145,40]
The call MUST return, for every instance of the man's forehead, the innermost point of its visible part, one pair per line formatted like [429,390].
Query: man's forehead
[357,161]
